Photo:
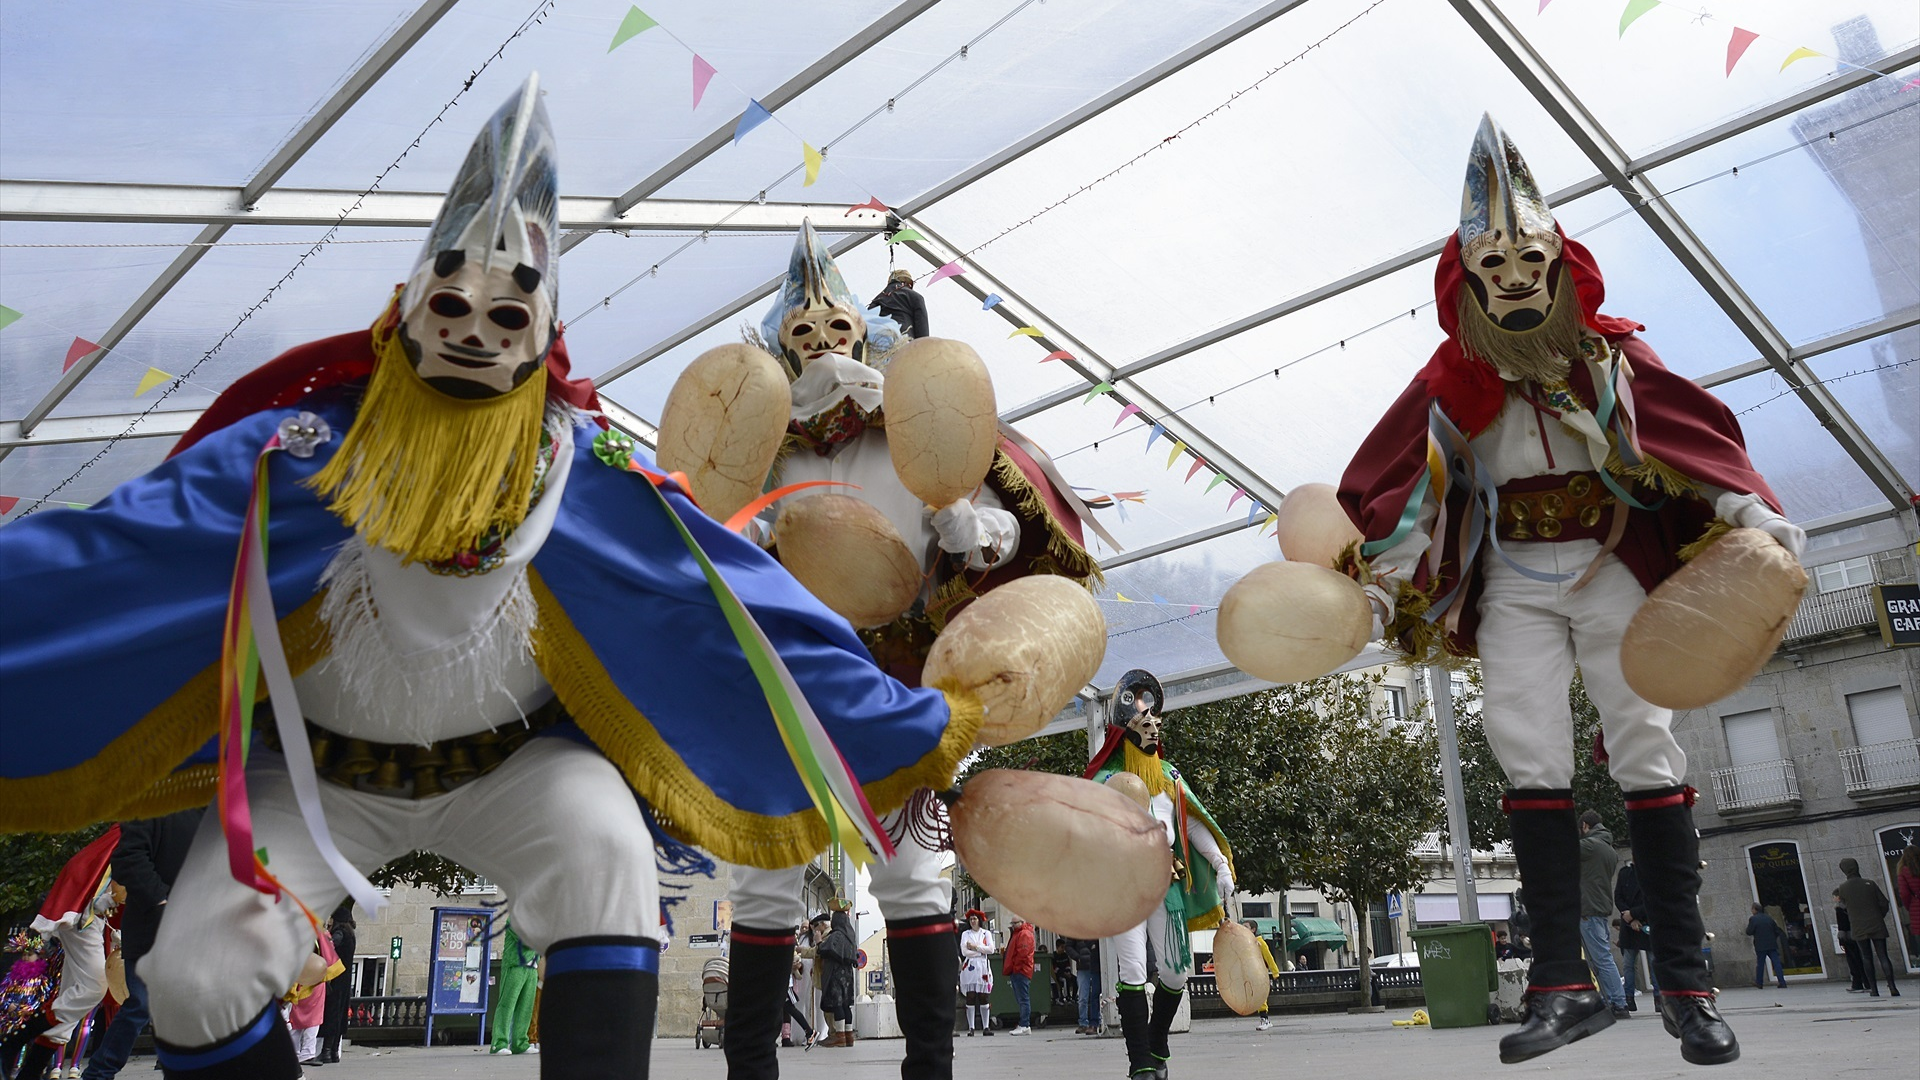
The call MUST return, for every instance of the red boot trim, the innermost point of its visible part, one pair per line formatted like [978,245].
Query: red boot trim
[1508,804]
[775,941]
[1689,993]
[1552,989]
[1685,796]
[928,930]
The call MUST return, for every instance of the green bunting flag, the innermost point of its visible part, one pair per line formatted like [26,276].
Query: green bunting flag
[8,316]
[1635,9]
[636,23]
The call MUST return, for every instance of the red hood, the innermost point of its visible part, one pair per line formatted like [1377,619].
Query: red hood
[1451,274]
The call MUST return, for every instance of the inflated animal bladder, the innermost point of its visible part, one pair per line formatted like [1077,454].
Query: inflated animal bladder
[1311,525]
[849,556]
[1025,648]
[1074,856]
[942,424]
[1288,622]
[1238,970]
[1714,624]
[1131,786]
[722,426]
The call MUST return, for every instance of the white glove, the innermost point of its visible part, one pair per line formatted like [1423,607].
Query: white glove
[1224,874]
[958,527]
[1381,601]
[1750,512]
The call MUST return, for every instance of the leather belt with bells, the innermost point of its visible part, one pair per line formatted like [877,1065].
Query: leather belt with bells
[410,771]
[1569,506]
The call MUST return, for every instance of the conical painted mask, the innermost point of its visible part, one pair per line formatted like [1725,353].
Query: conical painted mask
[478,313]
[816,314]
[1508,243]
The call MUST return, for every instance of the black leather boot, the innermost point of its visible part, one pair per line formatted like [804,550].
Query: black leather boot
[597,1008]
[1131,1001]
[263,1050]
[759,967]
[1165,1004]
[925,953]
[1666,854]
[33,1064]
[11,1050]
[1562,1004]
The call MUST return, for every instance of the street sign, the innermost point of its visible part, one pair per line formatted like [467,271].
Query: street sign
[703,941]
[860,959]
[1394,908]
[393,950]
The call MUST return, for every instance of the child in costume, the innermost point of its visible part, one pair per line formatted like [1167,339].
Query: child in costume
[1569,467]
[1202,868]
[976,969]
[76,914]
[478,615]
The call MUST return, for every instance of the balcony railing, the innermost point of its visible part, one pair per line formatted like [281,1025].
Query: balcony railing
[1882,767]
[1833,612]
[1753,787]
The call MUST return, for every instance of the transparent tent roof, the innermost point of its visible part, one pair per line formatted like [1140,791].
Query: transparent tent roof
[1229,213]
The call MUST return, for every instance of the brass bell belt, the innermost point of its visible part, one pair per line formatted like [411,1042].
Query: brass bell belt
[410,771]
[1571,506]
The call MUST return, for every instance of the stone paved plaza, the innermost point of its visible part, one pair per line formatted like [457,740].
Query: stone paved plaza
[1813,1030]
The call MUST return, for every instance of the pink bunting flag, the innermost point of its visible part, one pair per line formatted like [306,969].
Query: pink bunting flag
[871,204]
[702,75]
[1197,463]
[952,269]
[1543,6]
[1238,494]
[1910,84]
[1737,46]
[80,347]
[1126,412]
[8,502]
[1057,354]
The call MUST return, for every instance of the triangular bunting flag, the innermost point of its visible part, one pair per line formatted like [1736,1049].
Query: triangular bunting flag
[1635,9]
[80,347]
[992,299]
[8,502]
[1158,599]
[1025,331]
[1057,354]
[8,316]
[1197,465]
[1254,511]
[1238,494]
[905,235]
[1178,446]
[702,75]
[1157,431]
[1103,388]
[871,204]
[952,269]
[1737,46]
[755,115]
[1123,598]
[814,159]
[1543,6]
[1126,412]
[154,377]
[635,24]
[1798,54]
[1218,479]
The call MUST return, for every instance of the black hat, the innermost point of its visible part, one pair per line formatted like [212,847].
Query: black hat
[1131,685]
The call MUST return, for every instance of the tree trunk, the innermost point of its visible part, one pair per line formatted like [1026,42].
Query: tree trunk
[1363,925]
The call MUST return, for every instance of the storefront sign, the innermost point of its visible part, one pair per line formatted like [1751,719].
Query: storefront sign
[1897,607]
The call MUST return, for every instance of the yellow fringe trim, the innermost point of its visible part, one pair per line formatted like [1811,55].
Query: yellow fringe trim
[1715,530]
[427,476]
[1206,920]
[135,774]
[1069,558]
[688,809]
[1651,473]
[1410,635]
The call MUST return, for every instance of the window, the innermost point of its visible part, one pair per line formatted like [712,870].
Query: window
[1781,889]
[1257,909]
[1395,698]
[1885,756]
[1751,739]
[475,884]
[1833,577]
[1758,776]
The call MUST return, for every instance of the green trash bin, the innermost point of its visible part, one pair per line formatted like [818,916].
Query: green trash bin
[1457,973]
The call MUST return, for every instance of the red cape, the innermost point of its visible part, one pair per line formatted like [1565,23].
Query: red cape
[1679,424]
[79,880]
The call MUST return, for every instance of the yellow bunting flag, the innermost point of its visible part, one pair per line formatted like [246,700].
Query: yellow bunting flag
[154,377]
[1025,331]
[1800,53]
[814,160]
[1178,449]
[1124,598]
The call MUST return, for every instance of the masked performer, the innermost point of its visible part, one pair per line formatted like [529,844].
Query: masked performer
[497,626]
[75,913]
[1019,522]
[1570,466]
[1202,868]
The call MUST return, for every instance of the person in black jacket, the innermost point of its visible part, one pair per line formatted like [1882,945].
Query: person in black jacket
[900,303]
[340,987]
[1636,937]
[1855,970]
[1086,966]
[833,970]
[146,862]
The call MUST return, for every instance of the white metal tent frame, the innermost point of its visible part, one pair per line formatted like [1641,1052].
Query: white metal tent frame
[260,201]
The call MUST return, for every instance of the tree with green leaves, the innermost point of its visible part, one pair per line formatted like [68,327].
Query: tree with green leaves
[28,864]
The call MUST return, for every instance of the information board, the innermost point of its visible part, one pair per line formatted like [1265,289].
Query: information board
[457,972]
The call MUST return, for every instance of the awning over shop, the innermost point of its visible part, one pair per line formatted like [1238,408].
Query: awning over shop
[1307,931]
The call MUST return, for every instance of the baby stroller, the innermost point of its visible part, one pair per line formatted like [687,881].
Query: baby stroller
[713,1004]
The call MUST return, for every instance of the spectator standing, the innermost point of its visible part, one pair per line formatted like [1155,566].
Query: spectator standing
[833,967]
[1273,972]
[1018,968]
[145,862]
[1906,886]
[333,1026]
[1766,946]
[513,1008]
[1636,937]
[1062,971]
[1598,864]
[976,972]
[1086,970]
[900,303]
[1867,909]
[1849,946]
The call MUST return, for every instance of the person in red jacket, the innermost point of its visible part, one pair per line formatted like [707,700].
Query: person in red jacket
[1018,967]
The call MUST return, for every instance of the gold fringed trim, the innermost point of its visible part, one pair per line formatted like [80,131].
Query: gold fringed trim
[1654,474]
[1069,558]
[687,808]
[1410,635]
[1715,530]
[1205,921]
[134,775]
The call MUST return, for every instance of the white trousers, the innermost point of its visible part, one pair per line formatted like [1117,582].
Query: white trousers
[1130,951]
[555,826]
[306,1043]
[1531,635]
[83,977]
[909,886]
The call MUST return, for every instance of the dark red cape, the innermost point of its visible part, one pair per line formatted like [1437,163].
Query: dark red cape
[74,888]
[1679,424]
